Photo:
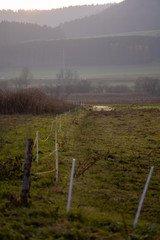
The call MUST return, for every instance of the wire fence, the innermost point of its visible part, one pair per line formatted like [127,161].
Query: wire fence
[58,124]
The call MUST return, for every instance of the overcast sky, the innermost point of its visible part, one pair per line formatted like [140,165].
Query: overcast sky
[48,4]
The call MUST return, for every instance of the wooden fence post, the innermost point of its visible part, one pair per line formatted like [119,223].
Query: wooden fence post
[27,171]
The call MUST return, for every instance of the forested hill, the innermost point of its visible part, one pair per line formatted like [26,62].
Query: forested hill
[13,32]
[127,16]
[52,17]
[100,51]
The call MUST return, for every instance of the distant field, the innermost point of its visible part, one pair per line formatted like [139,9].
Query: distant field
[110,73]
[119,73]
[138,33]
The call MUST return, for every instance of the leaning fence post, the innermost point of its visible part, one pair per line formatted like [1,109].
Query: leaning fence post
[70,187]
[27,171]
[142,197]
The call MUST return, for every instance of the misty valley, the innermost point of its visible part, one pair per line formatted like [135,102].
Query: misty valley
[80,84]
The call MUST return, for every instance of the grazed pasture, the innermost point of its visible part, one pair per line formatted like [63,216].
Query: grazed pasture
[114,151]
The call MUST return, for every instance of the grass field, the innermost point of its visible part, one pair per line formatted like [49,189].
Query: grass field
[138,33]
[114,151]
[110,73]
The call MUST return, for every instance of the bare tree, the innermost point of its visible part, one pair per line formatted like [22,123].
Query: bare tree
[65,79]
[66,76]
[147,84]
[24,79]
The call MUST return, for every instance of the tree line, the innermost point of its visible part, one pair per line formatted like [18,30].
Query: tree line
[127,16]
[101,51]
[14,32]
[53,17]
[68,81]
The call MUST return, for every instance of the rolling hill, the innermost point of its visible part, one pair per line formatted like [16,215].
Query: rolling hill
[52,17]
[127,16]
[126,34]
[100,51]
[13,32]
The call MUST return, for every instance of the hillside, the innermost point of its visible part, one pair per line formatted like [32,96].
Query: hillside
[127,16]
[13,32]
[52,17]
[100,51]
[125,34]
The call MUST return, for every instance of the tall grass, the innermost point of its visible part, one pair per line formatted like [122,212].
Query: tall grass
[30,101]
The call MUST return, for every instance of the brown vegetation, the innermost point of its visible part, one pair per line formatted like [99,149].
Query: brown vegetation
[115,98]
[30,101]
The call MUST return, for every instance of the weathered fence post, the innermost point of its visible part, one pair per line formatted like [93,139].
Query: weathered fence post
[27,171]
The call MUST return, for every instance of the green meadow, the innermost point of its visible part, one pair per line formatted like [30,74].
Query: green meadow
[110,73]
[114,151]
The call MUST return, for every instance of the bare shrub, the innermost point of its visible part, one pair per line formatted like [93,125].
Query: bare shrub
[30,101]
